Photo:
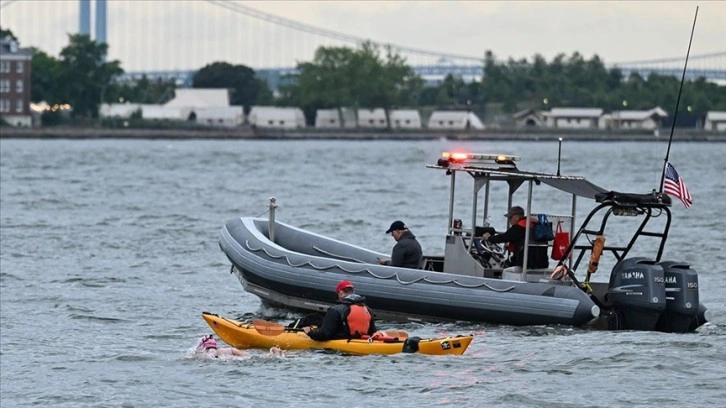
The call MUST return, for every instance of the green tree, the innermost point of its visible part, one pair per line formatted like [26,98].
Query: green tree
[7,33]
[84,74]
[143,90]
[359,78]
[241,80]
[45,77]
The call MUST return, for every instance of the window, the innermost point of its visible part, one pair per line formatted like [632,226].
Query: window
[19,86]
[4,85]
[19,106]
[370,121]
[4,66]
[19,67]
[4,105]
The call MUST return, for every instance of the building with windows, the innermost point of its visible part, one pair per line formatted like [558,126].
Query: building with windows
[715,121]
[15,83]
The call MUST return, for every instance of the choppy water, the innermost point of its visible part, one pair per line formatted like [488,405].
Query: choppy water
[109,254]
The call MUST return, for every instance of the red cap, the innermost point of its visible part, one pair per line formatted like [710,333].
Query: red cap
[344,284]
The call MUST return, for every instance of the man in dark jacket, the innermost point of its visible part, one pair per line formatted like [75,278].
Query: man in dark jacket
[348,319]
[407,251]
[514,237]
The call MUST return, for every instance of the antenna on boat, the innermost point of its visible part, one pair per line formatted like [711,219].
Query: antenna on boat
[559,156]
[678,101]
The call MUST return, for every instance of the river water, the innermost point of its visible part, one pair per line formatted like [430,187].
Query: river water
[109,254]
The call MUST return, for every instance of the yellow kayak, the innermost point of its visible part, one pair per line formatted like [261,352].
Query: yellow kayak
[244,335]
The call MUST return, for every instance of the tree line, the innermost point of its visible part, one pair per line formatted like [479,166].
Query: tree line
[372,77]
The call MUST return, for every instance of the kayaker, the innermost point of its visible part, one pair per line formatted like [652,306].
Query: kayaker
[407,251]
[350,318]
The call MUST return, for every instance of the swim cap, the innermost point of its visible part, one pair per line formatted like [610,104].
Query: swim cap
[208,343]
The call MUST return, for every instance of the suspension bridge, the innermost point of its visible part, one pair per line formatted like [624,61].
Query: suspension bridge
[226,30]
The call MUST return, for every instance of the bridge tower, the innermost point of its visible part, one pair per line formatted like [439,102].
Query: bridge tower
[84,17]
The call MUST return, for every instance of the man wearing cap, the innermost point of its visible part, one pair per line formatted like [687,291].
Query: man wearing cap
[349,319]
[514,236]
[407,251]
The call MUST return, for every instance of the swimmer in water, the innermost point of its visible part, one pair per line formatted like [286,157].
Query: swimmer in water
[209,346]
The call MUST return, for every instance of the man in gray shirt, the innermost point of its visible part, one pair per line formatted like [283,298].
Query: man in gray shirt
[407,251]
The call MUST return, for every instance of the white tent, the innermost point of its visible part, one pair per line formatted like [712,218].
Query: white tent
[160,112]
[372,118]
[405,119]
[222,116]
[331,118]
[454,120]
[276,117]
[118,110]
[199,98]
[327,119]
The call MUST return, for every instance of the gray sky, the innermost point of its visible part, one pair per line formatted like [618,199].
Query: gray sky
[188,34]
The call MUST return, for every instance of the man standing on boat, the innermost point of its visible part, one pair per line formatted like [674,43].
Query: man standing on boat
[349,319]
[407,251]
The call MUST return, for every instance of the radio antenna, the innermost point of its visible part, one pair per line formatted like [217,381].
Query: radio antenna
[678,101]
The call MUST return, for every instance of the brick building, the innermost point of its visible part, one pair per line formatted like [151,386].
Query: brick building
[14,83]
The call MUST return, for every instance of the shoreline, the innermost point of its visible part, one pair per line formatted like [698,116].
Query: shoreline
[246,133]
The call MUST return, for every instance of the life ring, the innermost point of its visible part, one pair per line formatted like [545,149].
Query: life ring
[597,248]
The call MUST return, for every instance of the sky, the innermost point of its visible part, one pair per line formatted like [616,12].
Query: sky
[148,35]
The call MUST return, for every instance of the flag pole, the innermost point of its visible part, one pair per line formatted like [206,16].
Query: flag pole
[678,101]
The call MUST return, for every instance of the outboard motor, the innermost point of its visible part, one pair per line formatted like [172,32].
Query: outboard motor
[637,291]
[681,286]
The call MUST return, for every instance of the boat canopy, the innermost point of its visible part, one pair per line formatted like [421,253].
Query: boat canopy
[576,185]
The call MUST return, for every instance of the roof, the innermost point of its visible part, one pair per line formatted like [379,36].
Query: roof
[275,112]
[405,113]
[449,115]
[523,113]
[371,113]
[716,116]
[576,112]
[199,98]
[639,114]
[9,50]
[220,112]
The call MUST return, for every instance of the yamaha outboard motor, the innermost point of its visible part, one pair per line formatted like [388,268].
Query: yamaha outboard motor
[637,291]
[681,286]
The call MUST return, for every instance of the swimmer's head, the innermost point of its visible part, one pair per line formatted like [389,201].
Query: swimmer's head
[207,343]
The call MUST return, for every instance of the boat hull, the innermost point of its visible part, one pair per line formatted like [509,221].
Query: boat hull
[300,268]
[244,335]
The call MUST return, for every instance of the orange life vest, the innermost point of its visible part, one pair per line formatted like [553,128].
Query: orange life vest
[511,247]
[359,320]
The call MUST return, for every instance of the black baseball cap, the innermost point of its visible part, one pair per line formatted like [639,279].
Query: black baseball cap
[396,226]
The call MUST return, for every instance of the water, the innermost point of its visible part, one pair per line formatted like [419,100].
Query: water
[109,254]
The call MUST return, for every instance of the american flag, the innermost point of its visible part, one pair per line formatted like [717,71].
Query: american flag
[675,186]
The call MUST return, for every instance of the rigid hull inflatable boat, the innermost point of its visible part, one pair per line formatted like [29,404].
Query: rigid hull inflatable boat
[293,268]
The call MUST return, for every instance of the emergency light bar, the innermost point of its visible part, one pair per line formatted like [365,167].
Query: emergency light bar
[475,158]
